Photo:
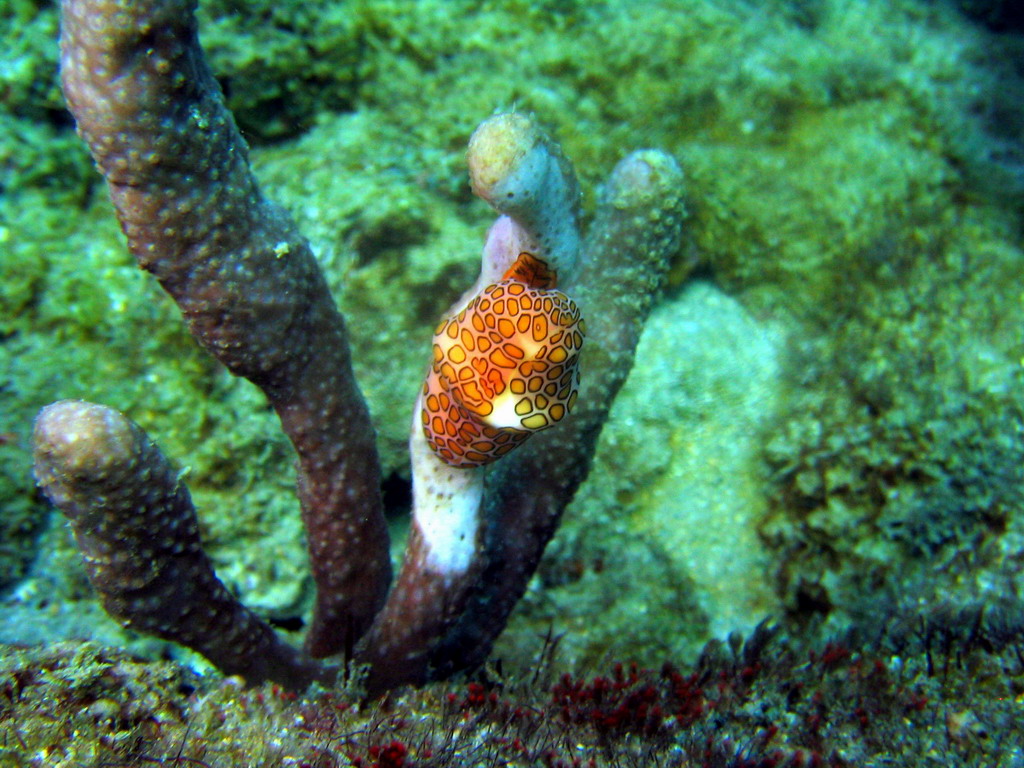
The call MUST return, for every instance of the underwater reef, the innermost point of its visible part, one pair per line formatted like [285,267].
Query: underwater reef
[824,423]
[767,702]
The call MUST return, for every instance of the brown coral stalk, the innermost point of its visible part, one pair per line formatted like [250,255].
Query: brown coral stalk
[625,259]
[135,525]
[245,279]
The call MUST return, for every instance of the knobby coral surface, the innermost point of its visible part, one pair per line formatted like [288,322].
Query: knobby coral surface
[250,289]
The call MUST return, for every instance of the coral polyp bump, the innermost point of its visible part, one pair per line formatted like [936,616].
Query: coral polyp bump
[504,367]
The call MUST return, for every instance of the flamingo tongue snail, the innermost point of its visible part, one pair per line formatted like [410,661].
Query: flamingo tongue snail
[504,367]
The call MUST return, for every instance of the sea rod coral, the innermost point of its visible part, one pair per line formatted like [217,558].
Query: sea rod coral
[506,365]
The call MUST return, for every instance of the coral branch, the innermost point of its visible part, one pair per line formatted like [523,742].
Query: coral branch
[447,610]
[137,530]
[524,175]
[625,258]
[518,169]
[244,278]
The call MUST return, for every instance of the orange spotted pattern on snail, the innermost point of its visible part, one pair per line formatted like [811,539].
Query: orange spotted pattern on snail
[503,368]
